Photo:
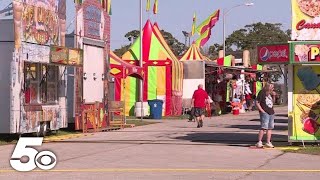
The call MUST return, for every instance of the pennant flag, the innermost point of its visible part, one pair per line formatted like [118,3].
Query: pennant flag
[203,39]
[193,24]
[77,1]
[106,5]
[109,7]
[110,10]
[155,7]
[209,22]
[148,5]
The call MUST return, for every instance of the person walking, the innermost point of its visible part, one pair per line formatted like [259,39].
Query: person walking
[199,99]
[264,103]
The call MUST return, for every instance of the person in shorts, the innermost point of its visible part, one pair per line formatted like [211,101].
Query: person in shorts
[199,99]
[264,103]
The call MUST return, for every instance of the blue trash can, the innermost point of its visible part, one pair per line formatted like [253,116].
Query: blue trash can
[155,108]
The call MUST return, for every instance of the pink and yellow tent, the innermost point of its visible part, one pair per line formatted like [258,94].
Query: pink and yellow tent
[163,71]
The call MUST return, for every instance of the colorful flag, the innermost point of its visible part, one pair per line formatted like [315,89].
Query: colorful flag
[109,7]
[106,5]
[209,22]
[193,24]
[77,1]
[155,7]
[148,5]
[203,39]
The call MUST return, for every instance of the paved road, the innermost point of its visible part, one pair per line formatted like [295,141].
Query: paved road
[175,149]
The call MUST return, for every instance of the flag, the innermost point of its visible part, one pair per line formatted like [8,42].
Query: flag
[203,39]
[209,22]
[148,5]
[109,8]
[155,7]
[106,5]
[77,1]
[193,24]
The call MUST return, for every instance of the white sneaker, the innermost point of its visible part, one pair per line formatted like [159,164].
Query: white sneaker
[269,145]
[259,144]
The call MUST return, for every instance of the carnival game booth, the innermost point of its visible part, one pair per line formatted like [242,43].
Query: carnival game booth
[122,70]
[90,82]
[163,72]
[303,62]
[33,82]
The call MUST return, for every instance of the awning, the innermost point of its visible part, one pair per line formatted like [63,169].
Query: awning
[122,69]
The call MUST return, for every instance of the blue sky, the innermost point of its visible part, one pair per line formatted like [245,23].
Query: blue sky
[176,15]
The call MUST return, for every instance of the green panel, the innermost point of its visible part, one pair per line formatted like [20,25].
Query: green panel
[227,60]
[228,92]
[152,82]
[258,87]
[135,49]
[131,94]
[154,51]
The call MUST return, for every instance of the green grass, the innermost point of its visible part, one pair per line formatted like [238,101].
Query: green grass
[13,138]
[140,123]
[307,150]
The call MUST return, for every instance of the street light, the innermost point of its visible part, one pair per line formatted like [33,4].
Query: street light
[186,35]
[225,12]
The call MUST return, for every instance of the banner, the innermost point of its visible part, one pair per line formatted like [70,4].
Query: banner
[305,52]
[305,20]
[306,103]
[273,53]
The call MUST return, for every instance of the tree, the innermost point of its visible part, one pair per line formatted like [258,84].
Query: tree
[177,47]
[258,33]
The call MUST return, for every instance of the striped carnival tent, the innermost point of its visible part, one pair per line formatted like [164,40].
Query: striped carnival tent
[122,70]
[163,72]
[193,54]
[194,71]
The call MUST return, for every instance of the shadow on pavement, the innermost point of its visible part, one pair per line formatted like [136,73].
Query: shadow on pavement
[282,115]
[276,120]
[257,127]
[230,139]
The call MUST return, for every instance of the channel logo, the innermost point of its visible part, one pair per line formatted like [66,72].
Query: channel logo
[266,54]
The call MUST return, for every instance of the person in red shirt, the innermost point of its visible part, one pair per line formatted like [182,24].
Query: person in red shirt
[199,99]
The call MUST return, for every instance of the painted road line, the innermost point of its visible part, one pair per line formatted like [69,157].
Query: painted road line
[171,170]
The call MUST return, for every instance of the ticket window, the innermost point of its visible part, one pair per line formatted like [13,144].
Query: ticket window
[41,83]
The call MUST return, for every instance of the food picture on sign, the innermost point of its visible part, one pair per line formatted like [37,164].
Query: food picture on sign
[306,19]
[310,7]
[74,57]
[308,104]
[40,22]
[302,52]
[307,101]
[59,55]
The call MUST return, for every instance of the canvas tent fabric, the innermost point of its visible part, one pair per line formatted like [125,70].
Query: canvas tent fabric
[163,71]
[120,68]
[125,76]
[193,54]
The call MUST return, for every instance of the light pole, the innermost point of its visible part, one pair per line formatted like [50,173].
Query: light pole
[225,12]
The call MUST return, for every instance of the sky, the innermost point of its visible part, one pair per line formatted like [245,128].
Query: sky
[176,16]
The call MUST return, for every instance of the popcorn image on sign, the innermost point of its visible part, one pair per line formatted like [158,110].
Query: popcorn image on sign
[302,52]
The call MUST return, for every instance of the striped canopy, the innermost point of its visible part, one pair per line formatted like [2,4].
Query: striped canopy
[193,54]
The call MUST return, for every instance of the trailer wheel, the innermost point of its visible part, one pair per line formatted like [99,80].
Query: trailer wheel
[42,129]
